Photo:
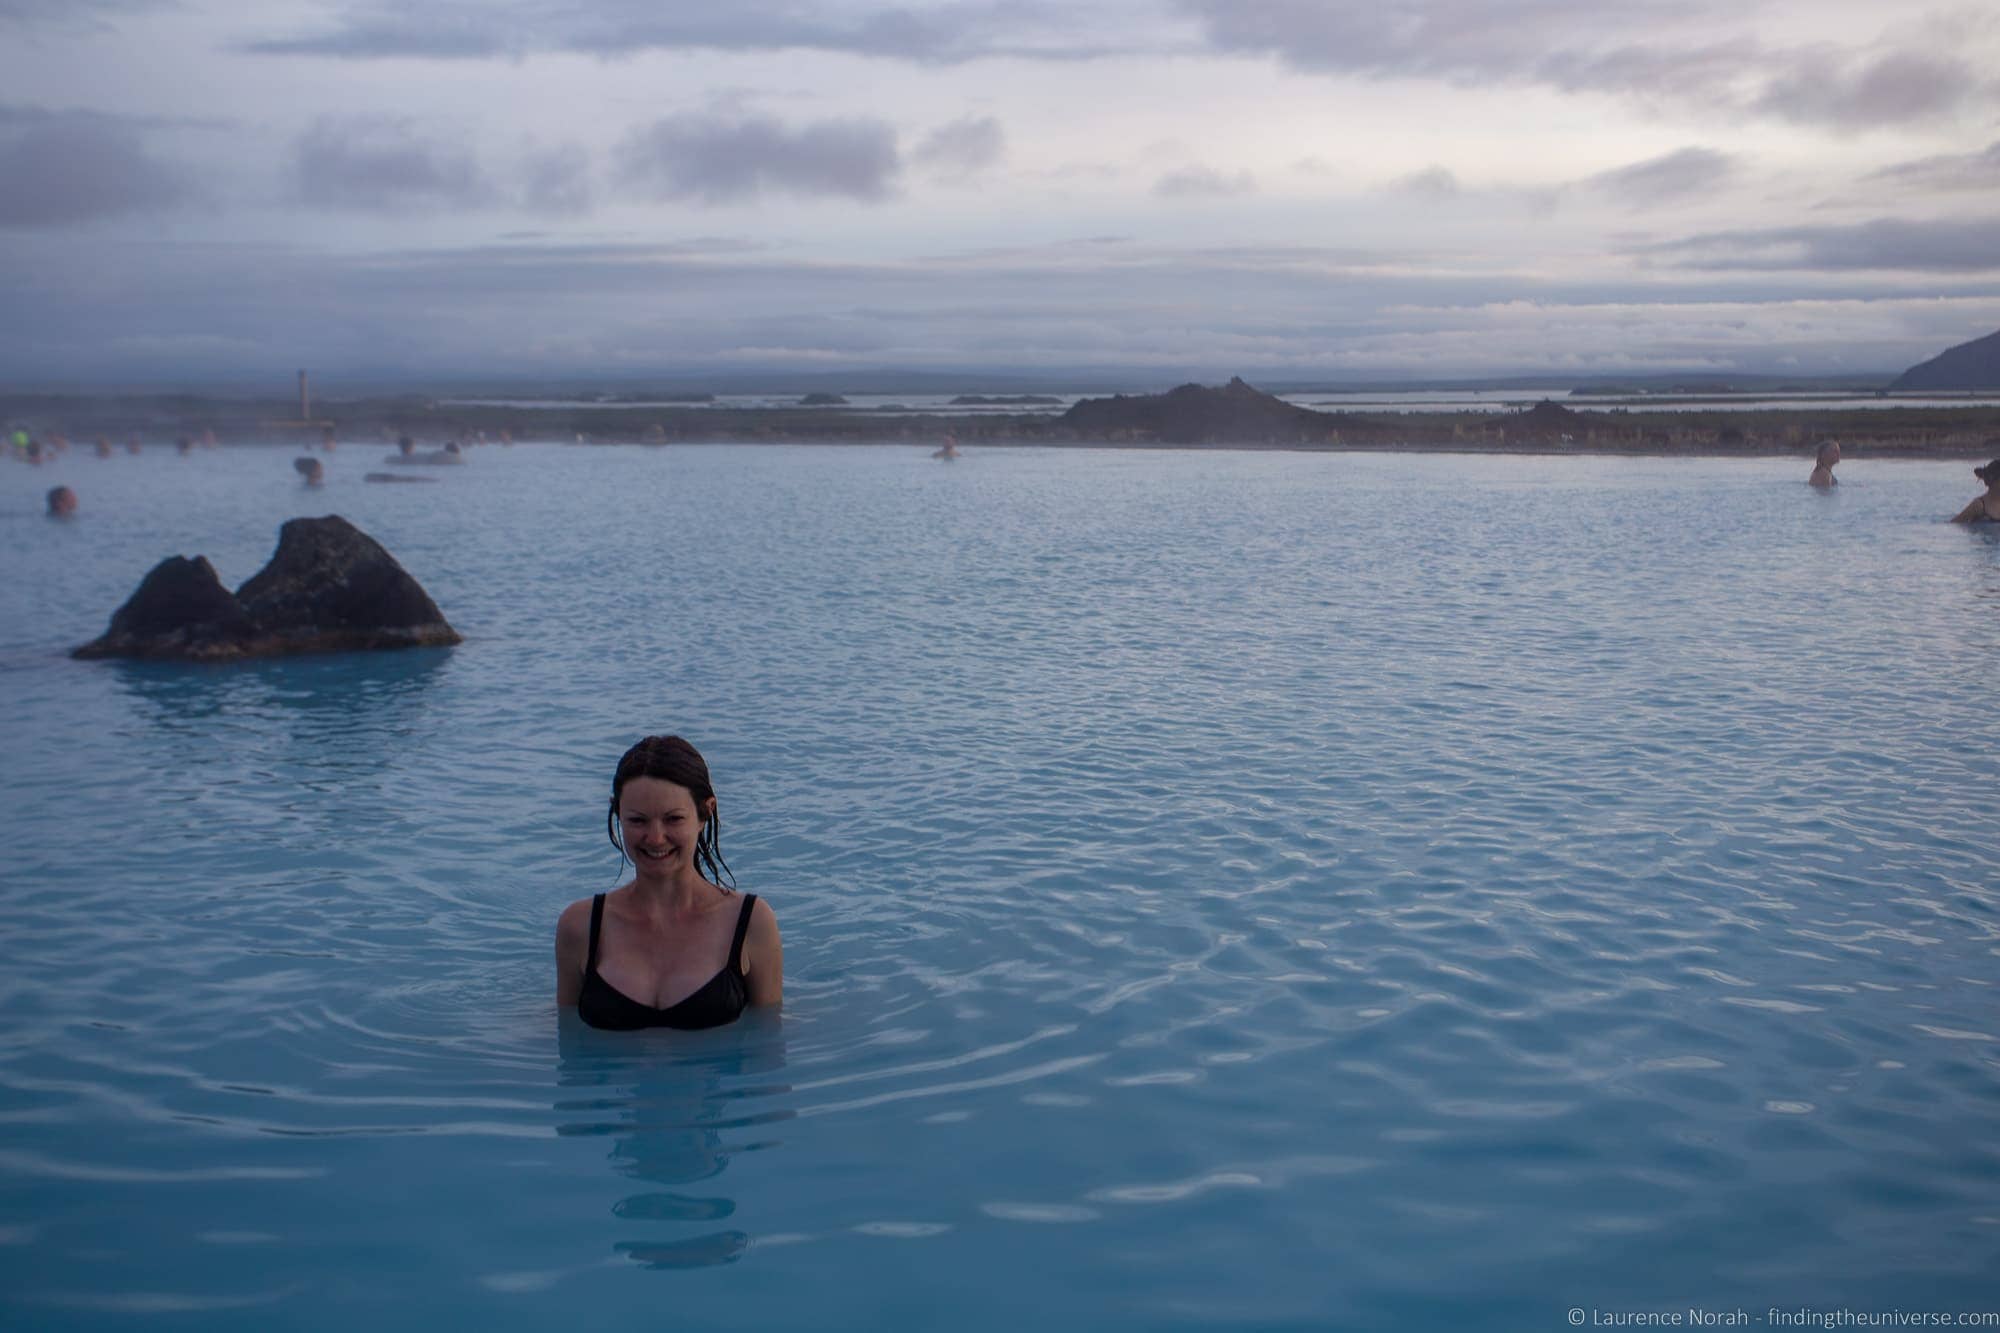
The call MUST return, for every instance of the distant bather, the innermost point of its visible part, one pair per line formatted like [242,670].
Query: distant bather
[1822,473]
[1985,509]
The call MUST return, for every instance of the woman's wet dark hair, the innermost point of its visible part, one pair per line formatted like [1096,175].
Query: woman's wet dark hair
[1990,473]
[671,759]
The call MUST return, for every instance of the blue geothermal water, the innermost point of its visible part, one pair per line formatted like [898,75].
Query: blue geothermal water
[1255,889]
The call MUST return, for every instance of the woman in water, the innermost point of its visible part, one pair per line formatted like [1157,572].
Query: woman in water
[1822,474]
[672,948]
[1986,509]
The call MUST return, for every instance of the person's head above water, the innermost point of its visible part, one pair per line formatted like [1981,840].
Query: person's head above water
[1829,453]
[672,760]
[1990,474]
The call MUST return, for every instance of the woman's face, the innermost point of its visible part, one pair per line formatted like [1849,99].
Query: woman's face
[659,822]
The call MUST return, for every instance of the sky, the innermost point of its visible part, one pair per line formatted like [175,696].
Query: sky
[1131,192]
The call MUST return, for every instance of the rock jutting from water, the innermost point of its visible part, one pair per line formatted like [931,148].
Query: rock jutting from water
[329,588]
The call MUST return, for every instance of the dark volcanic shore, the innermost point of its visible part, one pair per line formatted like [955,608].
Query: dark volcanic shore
[1233,416]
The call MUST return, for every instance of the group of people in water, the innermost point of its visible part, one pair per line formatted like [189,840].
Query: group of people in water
[62,501]
[1985,509]
[36,450]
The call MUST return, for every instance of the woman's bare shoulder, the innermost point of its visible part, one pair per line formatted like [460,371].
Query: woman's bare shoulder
[574,922]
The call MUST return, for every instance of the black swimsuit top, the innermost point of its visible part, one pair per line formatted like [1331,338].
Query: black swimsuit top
[720,1000]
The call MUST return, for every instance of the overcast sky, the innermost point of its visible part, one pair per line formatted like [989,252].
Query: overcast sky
[193,190]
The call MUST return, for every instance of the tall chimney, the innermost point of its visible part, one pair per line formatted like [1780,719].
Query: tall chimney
[305,399]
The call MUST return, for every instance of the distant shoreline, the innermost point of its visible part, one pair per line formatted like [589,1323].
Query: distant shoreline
[1936,433]
[1854,448]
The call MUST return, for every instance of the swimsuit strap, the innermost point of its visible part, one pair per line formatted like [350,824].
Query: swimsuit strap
[742,929]
[596,919]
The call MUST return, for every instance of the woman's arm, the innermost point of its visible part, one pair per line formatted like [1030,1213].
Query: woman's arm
[764,956]
[572,948]
[1972,511]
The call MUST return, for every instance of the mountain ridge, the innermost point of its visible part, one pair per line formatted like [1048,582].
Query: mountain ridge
[1970,365]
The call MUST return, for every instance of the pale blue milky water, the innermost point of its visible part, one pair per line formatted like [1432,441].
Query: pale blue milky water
[1254,889]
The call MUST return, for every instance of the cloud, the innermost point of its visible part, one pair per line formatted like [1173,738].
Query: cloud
[722,159]
[1203,183]
[965,147]
[66,167]
[1433,185]
[1649,51]
[72,13]
[201,312]
[374,164]
[556,180]
[1656,181]
[1913,245]
[1949,171]
[925,34]
[1898,88]
[18,115]
[1571,43]
[1664,179]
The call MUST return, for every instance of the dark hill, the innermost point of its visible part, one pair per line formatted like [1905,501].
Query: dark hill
[1546,421]
[1197,414]
[1973,365]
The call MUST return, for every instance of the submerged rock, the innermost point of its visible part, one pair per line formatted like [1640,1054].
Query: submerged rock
[328,588]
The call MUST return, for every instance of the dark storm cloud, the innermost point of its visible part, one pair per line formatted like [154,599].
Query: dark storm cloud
[1664,179]
[466,29]
[965,147]
[68,167]
[1913,245]
[368,164]
[1949,171]
[1627,50]
[1203,183]
[721,159]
